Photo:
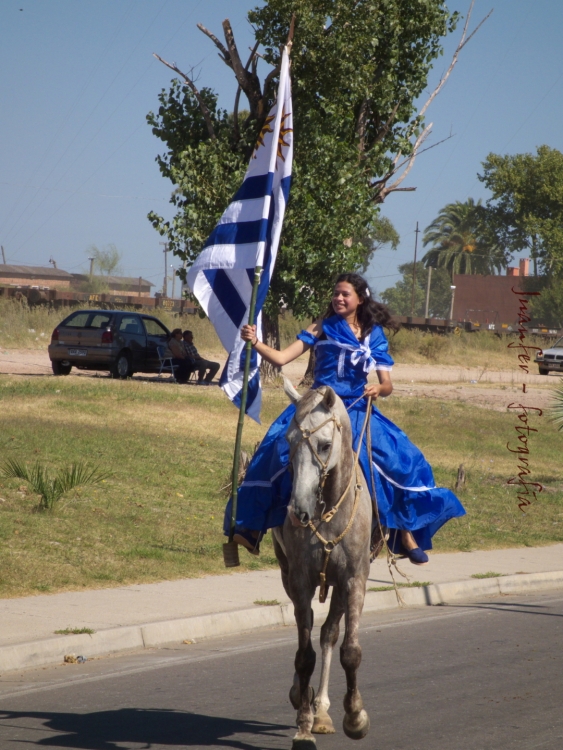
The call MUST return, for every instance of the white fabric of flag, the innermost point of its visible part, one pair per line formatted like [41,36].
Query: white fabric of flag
[247,236]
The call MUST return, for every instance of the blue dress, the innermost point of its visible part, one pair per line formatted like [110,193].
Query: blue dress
[407,496]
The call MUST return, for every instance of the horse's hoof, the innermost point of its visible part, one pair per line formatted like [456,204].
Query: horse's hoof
[304,743]
[295,696]
[323,724]
[356,728]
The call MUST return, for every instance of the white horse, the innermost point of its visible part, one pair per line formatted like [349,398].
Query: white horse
[326,533]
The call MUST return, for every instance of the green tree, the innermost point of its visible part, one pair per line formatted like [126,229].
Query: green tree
[547,308]
[399,297]
[106,260]
[525,211]
[379,234]
[357,69]
[460,241]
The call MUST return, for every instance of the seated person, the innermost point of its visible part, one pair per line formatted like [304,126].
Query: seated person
[198,363]
[180,359]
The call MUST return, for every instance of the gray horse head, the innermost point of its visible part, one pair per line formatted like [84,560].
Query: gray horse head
[315,435]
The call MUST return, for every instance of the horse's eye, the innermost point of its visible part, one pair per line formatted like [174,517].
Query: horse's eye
[324,447]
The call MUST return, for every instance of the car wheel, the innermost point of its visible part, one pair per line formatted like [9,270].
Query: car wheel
[544,371]
[122,368]
[59,368]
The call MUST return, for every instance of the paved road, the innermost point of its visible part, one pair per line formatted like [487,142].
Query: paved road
[475,676]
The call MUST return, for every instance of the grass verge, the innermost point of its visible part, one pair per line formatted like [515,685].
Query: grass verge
[75,631]
[169,449]
[411,585]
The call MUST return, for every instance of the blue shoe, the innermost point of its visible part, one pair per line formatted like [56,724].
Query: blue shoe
[417,556]
[246,540]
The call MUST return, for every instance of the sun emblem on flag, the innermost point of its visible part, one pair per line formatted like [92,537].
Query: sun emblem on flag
[283,133]
[265,129]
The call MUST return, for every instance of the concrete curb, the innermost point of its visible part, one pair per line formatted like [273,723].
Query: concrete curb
[151,635]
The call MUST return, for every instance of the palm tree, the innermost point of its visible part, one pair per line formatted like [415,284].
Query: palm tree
[459,240]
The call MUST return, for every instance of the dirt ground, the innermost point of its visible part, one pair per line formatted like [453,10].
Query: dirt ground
[490,389]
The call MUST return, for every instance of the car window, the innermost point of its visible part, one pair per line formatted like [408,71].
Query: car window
[77,320]
[154,328]
[558,344]
[130,324]
[99,320]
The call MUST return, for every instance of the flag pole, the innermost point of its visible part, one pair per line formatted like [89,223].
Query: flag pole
[230,548]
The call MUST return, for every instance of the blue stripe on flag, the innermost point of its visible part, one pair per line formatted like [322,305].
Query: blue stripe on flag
[238,233]
[265,280]
[253,359]
[227,294]
[285,185]
[255,187]
[253,391]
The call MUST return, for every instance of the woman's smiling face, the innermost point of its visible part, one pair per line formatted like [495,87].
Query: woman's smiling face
[345,300]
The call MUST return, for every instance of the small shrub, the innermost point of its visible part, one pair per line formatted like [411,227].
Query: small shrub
[51,489]
[432,345]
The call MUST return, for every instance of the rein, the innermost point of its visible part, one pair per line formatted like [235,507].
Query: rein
[330,544]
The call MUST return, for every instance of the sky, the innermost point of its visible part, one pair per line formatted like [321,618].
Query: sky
[77,158]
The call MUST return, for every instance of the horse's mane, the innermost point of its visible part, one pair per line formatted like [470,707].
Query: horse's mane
[308,402]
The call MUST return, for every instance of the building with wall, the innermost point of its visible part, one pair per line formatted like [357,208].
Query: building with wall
[490,302]
[42,276]
[125,286]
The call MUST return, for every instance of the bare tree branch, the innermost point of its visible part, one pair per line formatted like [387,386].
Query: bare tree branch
[381,189]
[248,81]
[384,191]
[462,42]
[428,148]
[202,105]
[224,54]
[237,96]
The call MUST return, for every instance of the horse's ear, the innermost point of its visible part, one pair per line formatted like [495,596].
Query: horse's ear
[329,399]
[290,390]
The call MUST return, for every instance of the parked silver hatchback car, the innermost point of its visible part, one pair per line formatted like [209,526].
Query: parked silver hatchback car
[114,340]
[551,360]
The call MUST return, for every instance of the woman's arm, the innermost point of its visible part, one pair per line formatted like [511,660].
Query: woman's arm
[291,352]
[383,388]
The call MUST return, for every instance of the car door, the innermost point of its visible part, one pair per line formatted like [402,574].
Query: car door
[157,335]
[132,336]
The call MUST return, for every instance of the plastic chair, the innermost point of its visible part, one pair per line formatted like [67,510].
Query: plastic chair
[166,364]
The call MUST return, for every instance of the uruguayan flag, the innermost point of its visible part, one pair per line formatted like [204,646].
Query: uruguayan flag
[247,236]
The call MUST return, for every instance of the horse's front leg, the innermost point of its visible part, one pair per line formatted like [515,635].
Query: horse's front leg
[329,635]
[356,720]
[301,693]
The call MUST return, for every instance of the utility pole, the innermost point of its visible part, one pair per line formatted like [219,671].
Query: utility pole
[165,282]
[173,281]
[428,292]
[452,287]
[416,231]
[91,267]
[3,256]
[53,262]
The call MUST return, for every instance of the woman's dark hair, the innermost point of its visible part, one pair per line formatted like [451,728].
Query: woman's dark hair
[370,313]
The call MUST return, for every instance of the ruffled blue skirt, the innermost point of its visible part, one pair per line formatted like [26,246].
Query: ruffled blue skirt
[407,496]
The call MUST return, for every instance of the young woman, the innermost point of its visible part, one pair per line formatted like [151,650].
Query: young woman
[349,342]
